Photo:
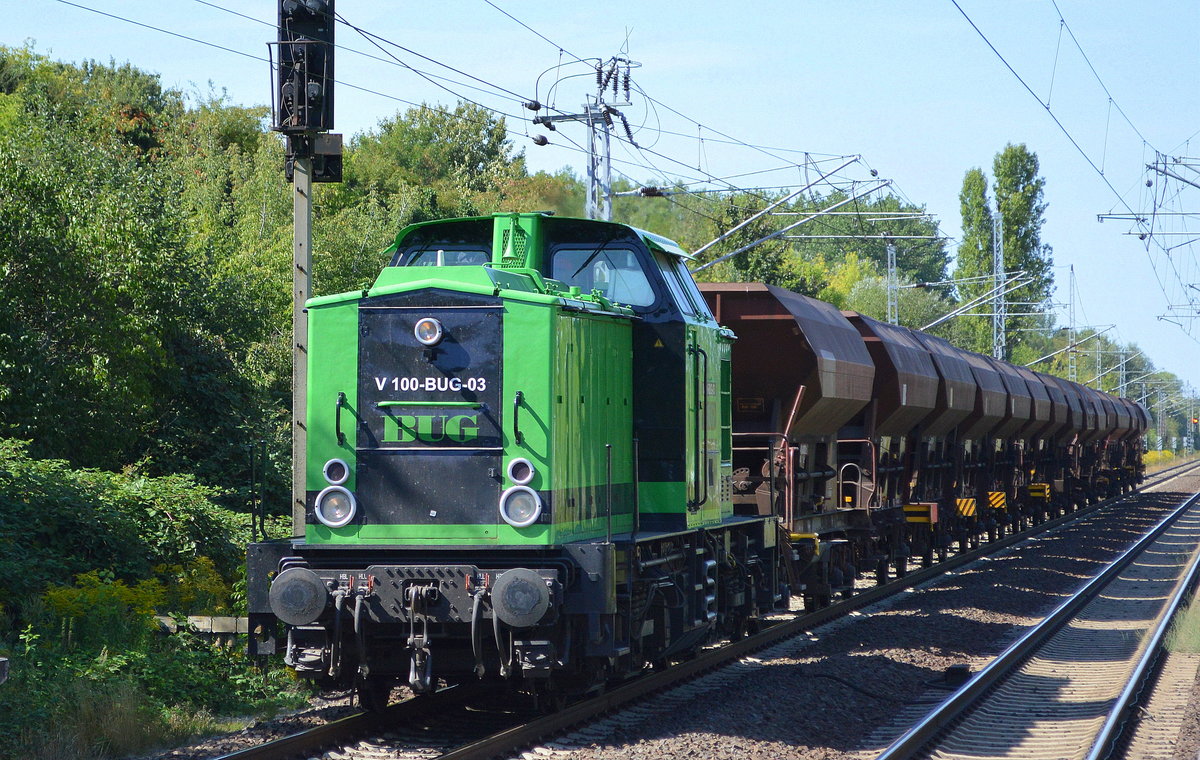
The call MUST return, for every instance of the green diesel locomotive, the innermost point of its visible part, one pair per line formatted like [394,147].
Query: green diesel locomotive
[519,465]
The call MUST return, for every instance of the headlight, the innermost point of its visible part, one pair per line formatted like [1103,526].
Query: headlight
[520,506]
[336,471]
[521,471]
[297,596]
[428,331]
[520,597]
[335,506]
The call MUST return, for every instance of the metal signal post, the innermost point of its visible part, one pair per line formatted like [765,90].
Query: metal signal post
[302,109]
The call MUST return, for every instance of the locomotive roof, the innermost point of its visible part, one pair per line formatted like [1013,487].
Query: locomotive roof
[653,240]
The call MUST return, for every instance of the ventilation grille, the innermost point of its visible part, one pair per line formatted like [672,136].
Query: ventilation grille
[514,248]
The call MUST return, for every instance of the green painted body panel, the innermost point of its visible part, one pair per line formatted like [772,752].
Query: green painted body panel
[333,336]
[593,410]
[436,535]
[661,498]
[527,345]
[709,455]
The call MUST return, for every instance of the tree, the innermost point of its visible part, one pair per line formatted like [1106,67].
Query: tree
[455,155]
[1019,198]
[1019,194]
[975,253]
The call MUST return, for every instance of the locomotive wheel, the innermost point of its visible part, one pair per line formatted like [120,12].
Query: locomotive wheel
[881,572]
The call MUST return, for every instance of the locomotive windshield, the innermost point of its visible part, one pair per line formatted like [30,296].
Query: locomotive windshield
[464,243]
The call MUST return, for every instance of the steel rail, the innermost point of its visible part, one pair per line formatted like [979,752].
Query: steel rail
[354,726]
[1113,728]
[954,706]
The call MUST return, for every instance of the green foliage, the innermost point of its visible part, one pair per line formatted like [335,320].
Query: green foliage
[1019,196]
[1019,193]
[56,523]
[453,154]
[917,307]
[91,678]
[92,674]
[823,257]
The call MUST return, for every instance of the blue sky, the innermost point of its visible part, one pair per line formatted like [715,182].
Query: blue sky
[909,86]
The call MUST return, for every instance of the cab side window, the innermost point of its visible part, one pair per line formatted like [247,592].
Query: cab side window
[683,287]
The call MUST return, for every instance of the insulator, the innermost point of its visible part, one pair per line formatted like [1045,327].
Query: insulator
[600,76]
[533,105]
[626,83]
[628,131]
[540,140]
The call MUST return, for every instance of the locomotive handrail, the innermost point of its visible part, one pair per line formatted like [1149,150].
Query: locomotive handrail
[337,418]
[517,401]
[700,424]
[468,404]
[702,408]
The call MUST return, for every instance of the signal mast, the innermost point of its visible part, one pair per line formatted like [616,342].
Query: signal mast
[302,110]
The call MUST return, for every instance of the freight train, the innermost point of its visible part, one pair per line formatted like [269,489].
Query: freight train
[538,450]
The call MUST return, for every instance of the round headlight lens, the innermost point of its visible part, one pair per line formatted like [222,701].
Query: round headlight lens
[521,471]
[336,471]
[428,331]
[335,506]
[520,506]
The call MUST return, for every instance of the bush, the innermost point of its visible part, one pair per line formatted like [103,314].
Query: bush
[87,559]
[91,676]
[57,523]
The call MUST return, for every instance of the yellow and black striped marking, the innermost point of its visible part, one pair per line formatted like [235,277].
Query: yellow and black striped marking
[966,507]
[1039,491]
[923,512]
[997,499]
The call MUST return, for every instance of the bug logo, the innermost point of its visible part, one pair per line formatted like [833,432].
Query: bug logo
[430,428]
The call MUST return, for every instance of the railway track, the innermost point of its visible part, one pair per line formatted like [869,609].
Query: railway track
[1065,689]
[464,723]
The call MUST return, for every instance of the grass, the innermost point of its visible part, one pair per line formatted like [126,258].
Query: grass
[1184,636]
[111,720]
